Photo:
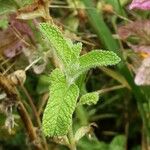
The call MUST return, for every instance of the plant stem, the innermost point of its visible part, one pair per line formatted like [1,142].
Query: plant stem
[116,87]
[42,103]
[38,121]
[82,115]
[28,124]
[13,94]
[30,100]
[71,139]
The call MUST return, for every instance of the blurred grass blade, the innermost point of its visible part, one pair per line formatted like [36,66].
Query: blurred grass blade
[117,6]
[105,36]
[115,75]
[100,27]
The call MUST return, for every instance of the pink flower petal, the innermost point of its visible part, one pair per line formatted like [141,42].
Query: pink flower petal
[140,4]
[143,74]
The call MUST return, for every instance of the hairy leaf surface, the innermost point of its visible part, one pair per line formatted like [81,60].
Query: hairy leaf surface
[97,58]
[89,98]
[57,116]
[76,47]
[59,43]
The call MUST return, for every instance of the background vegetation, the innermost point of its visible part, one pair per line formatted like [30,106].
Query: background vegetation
[121,118]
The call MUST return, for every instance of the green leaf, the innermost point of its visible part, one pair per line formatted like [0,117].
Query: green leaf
[96,58]
[82,131]
[76,47]
[118,143]
[59,43]
[93,144]
[57,116]
[89,98]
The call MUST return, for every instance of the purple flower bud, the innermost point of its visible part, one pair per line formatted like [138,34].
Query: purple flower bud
[140,4]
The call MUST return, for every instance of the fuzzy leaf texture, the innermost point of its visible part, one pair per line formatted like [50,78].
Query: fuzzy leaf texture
[97,58]
[76,47]
[59,43]
[89,98]
[57,116]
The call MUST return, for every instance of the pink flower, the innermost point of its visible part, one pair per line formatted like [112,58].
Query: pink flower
[140,4]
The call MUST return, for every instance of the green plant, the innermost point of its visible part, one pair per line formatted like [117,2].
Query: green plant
[64,91]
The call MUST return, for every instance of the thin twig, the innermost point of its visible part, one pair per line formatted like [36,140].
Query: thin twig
[34,62]
[8,68]
[19,36]
[30,100]
[13,94]
[28,124]
[103,91]
[38,121]
[43,102]
[122,17]
[68,7]
[6,61]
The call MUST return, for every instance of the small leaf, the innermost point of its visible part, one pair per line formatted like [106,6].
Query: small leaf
[76,47]
[118,143]
[63,140]
[93,144]
[96,58]
[81,132]
[89,98]
[61,105]
[59,43]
